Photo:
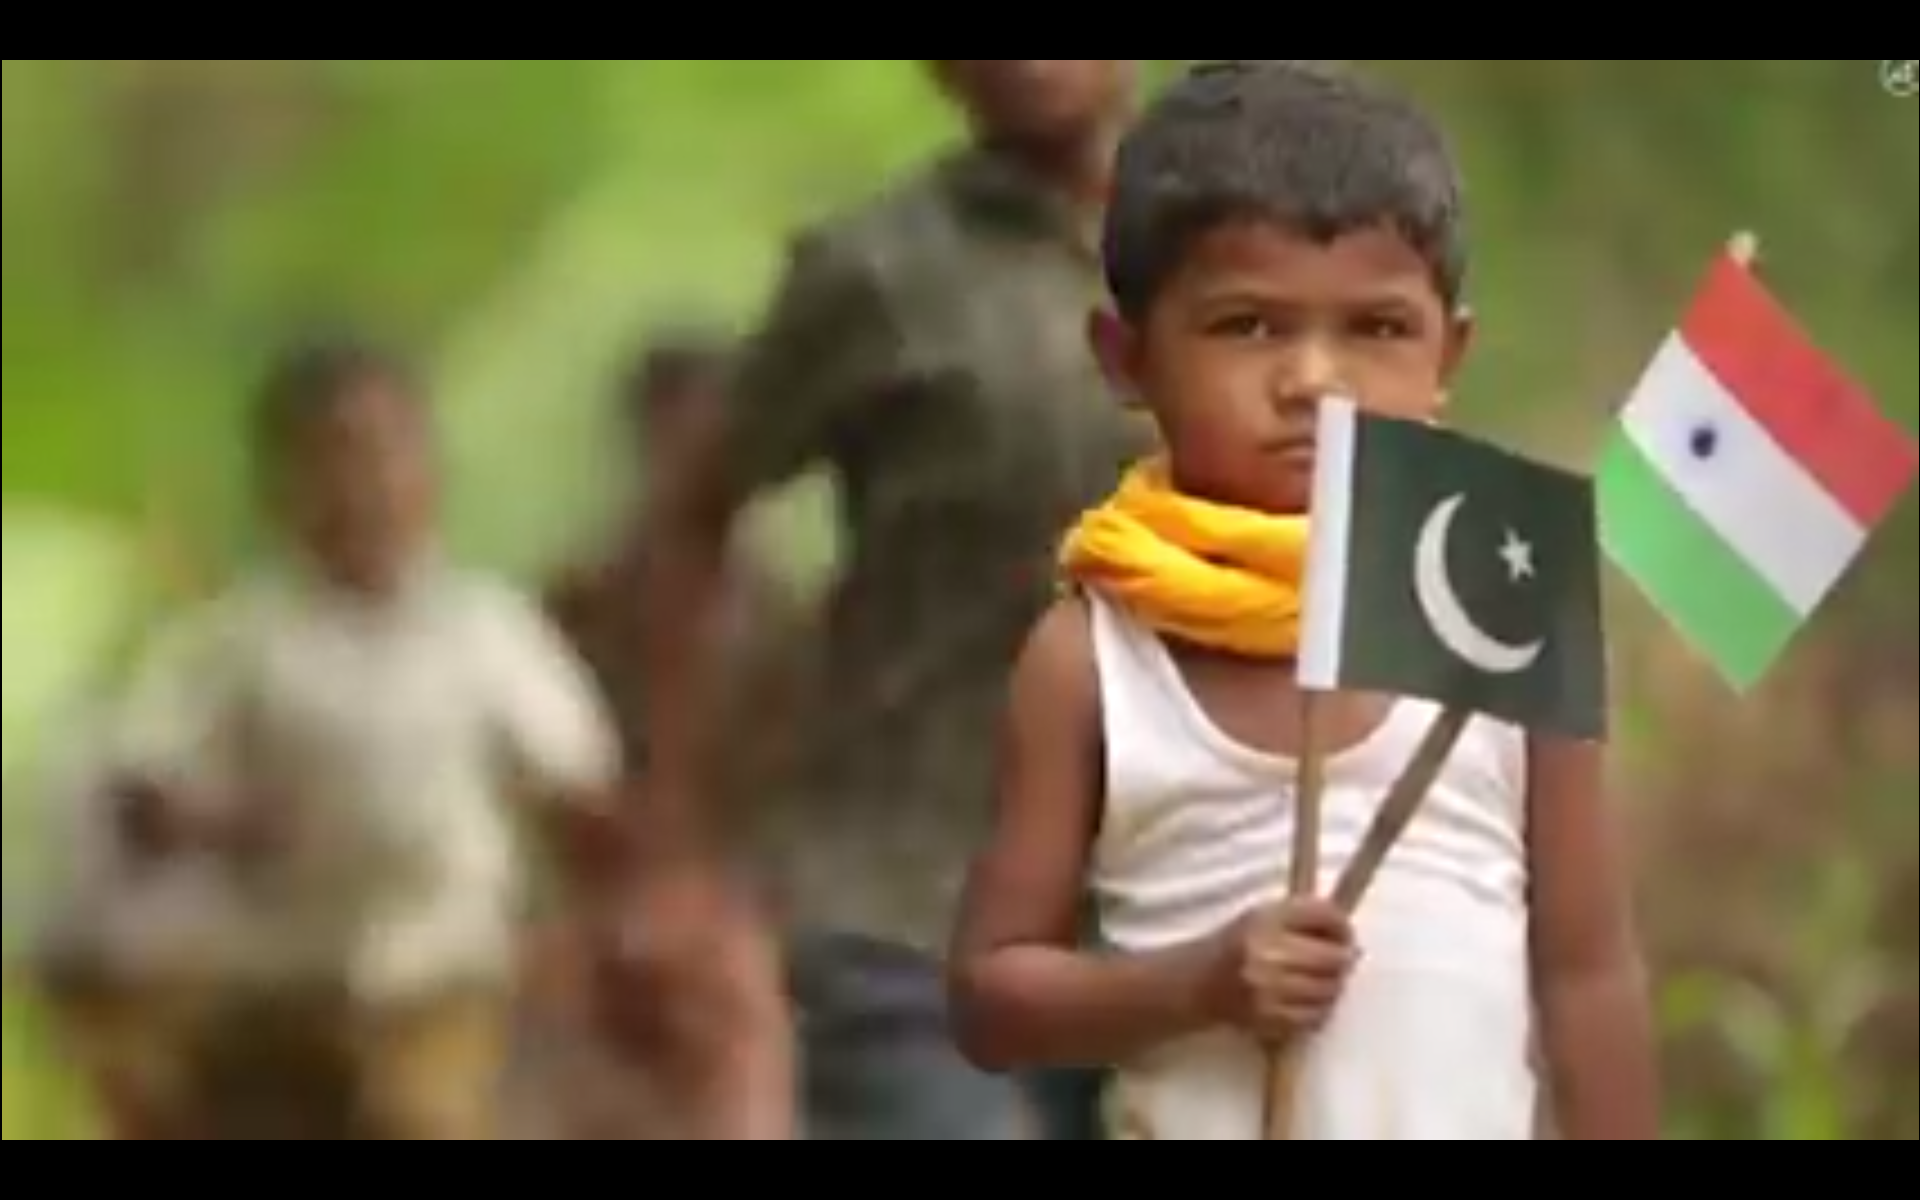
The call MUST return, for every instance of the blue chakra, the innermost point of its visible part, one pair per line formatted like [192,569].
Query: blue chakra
[1705,442]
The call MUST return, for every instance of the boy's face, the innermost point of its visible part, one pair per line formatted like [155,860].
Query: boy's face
[1257,327]
[1037,100]
[681,416]
[360,487]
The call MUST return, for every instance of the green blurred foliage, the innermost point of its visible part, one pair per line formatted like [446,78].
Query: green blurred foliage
[524,222]
[40,1102]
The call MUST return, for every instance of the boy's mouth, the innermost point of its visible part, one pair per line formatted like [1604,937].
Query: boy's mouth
[1294,451]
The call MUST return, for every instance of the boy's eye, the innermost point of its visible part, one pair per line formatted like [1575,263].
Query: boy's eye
[1242,325]
[1384,327]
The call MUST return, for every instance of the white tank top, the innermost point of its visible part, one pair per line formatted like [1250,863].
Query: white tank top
[1432,1040]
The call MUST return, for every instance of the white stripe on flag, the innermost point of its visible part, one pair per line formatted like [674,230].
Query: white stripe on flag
[1748,489]
[1323,628]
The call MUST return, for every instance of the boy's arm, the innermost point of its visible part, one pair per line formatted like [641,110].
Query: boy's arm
[1590,977]
[1023,994]
[559,733]
[824,355]
[768,687]
[714,1035]
[168,774]
[559,738]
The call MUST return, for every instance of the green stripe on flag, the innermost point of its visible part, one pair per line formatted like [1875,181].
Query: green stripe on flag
[1693,576]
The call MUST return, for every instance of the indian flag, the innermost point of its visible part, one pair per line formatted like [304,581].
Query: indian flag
[1746,476]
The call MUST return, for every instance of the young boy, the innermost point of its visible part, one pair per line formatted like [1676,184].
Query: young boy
[1281,232]
[342,740]
[671,402]
[926,347]
[668,403]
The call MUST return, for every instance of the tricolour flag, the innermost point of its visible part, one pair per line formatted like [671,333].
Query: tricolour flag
[1745,477]
[1445,568]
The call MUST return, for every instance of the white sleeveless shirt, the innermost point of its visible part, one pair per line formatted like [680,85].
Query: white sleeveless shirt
[1432,1041]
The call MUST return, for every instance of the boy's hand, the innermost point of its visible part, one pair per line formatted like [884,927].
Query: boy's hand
[596,846]
[1284,968]
[152,824]
[672,947]
[157,824]
[692,984]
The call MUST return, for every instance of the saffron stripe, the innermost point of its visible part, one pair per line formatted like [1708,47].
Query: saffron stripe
[1817,414]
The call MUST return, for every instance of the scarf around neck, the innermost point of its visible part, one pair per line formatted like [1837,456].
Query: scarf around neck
[1216,576]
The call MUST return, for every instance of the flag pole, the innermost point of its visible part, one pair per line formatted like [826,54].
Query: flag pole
[1396,813]
[1402,804]
[1286,1060]
[1304,878]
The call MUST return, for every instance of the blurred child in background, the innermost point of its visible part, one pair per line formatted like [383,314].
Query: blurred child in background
[329,753]
[667,401]
[670,402]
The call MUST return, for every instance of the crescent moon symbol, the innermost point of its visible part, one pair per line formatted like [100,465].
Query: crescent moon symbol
[1441,605]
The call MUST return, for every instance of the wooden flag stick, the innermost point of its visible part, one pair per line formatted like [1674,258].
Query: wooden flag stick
[1283,1089]
[1402,804]
[1284,1066]
[1396,813]
[1304,879]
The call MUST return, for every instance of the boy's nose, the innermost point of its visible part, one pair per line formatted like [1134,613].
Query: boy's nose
[1311,376]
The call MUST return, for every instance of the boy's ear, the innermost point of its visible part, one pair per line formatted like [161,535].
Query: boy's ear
[1461,328]
[1116,346]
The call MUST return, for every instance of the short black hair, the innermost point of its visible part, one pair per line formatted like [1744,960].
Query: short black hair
[307,379]
[1307,144]
[672,366]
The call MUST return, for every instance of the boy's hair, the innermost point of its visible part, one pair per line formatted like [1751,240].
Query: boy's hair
[1304,144]
[672,367]
[307,380]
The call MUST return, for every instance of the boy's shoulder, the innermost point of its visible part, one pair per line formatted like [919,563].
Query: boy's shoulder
[1059,658]
[887,218]
[229,615]
[906,235]
[486,601]
[262,603]
[1053,702]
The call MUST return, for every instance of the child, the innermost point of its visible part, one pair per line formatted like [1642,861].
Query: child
[671,401]
[668,402]
[1281,232]
[343,737]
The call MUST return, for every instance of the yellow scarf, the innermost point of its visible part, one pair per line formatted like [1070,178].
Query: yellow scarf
[1223,578]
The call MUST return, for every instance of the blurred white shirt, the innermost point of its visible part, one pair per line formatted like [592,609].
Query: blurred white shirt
[397,738]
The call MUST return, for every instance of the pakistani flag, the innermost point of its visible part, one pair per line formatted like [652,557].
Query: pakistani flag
[1746,476]
[1448,569]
